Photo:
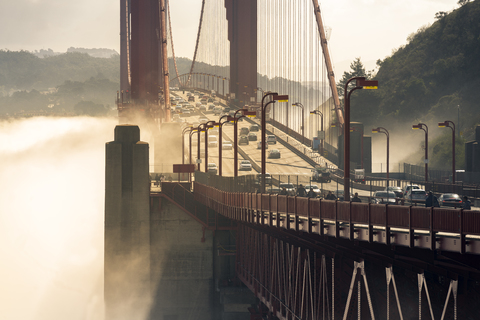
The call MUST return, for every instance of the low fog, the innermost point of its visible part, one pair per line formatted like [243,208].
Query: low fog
[52,214]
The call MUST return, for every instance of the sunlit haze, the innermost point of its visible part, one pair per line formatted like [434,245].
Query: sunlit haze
[369,29]
[52,211]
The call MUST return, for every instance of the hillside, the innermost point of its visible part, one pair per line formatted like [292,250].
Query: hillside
[430,77]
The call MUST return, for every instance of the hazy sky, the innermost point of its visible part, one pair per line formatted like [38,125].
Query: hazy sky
[60,24]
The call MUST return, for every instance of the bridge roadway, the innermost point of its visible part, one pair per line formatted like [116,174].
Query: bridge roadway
[289,168]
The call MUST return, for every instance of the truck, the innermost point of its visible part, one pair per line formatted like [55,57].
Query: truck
[360,175]
[321,174]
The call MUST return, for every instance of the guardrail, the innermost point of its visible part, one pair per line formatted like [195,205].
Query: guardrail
[431,228]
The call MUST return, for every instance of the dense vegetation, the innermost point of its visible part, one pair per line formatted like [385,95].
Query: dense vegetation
[57,83]
[429,80]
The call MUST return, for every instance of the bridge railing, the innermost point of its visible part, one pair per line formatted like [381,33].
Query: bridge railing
[252,207]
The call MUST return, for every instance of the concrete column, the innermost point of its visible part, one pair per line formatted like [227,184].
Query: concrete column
[127,226]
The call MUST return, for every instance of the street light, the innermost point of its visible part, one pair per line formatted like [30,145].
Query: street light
[234,119]
[383,130]
[361,83]
[208,125]
[318,112]
[220,143]
[185,130]
[275,97]
[450,125]
[298,104]
[424,127]
[194,130]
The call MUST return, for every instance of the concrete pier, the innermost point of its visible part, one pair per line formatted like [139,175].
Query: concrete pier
[127,226]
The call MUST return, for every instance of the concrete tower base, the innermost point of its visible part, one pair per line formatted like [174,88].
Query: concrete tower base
[127,226]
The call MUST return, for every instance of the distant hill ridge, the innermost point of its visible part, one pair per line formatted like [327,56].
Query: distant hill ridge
[96,53]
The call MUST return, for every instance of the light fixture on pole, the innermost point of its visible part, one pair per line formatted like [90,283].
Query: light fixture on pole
[451,125]
[208,125]
[385,131]
[361,83]
[318,112]
[424,127]
[235,119]
[298,104]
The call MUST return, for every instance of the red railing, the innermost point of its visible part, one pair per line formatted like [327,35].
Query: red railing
[259,208]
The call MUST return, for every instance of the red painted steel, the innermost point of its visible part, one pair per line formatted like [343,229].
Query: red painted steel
[302,214]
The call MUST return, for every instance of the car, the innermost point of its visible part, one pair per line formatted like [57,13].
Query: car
[450,200]
[245,165]
[191,98]
[410,186]
[203,119]
[244,131]
[268,179]
[175,116]
[227,145]
[314,187]
[397,190]
[274,154]
[210,100]
[243,140]
[272,190]
[271,139]
[289,187]
[259,145]
[202,107]
[214,131]
[212,168]
[416,195]
[383,197]
[185,112]
[252,136]
[339,194]
[254,128]
[212,141]
[217,111]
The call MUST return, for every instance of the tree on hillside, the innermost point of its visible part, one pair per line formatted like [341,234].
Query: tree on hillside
[463,2]
[356,70]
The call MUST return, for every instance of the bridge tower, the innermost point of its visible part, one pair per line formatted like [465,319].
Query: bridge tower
[242,34]
[143,60]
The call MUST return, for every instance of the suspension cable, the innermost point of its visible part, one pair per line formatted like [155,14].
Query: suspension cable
[196,45]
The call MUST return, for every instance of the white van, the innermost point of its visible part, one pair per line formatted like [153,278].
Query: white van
[212,141]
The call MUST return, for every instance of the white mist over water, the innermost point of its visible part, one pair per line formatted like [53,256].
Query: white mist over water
[52,178]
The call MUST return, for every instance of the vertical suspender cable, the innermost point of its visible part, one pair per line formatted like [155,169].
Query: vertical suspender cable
[196,45]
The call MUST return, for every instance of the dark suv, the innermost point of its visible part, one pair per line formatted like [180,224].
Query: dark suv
[243,140]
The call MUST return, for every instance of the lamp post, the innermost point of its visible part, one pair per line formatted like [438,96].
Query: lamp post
[185,130]
[208,125]
[194,130]
[361,83]
[275,97]
[450,125]
[424,127]
[318,112]
[235,119]
[383,130]
[298,104]
[220,143]
[198,144]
